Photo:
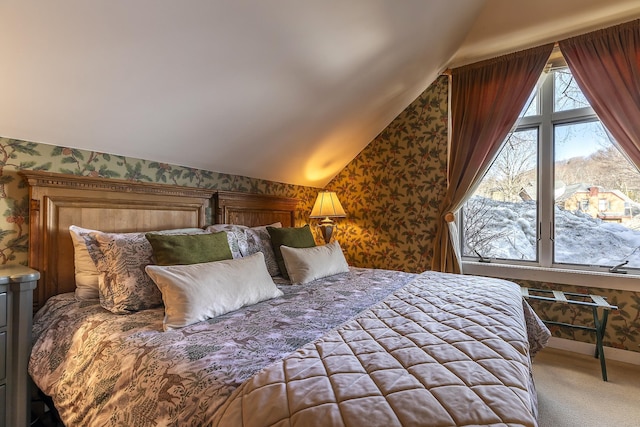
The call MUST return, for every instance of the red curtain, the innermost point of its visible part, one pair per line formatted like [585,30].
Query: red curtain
[606,66]
[486,100]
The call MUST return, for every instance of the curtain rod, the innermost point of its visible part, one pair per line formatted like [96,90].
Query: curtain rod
[447,71]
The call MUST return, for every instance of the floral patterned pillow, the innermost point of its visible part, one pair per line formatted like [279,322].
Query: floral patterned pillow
[245,241]
[259,240]
[124,286]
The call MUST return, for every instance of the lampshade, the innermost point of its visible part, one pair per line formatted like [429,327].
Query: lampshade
[327,205]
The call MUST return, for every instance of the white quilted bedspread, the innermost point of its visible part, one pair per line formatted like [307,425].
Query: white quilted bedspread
[446,350]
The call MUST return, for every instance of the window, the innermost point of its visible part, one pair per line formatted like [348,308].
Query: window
[560,193]
[603,205]
[584,205]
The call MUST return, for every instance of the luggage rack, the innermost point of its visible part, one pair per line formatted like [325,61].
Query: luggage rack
[585,300]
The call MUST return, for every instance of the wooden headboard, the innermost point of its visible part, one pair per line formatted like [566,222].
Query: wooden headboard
[58,201]
[253,209]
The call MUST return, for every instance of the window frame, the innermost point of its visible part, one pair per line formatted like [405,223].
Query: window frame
[544,269]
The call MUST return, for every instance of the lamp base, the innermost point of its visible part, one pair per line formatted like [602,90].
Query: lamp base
[327,232]
[326,229]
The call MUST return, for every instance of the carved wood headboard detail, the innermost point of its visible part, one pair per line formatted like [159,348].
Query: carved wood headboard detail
[58,201]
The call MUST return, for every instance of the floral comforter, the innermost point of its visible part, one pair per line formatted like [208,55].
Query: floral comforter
[106,369]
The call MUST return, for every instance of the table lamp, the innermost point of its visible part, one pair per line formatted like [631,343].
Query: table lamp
[327,206]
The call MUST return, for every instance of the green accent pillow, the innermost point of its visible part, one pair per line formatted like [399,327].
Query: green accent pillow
[294,237]
[189,249]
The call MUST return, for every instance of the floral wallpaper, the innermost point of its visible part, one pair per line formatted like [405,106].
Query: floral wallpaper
[391,192]
[18,155]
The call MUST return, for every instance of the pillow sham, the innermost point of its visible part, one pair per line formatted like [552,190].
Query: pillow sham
[295,237]
[259,240]
[87,275]
[305,265]
[245,241]
[124,287]
[196,292]
[189,249]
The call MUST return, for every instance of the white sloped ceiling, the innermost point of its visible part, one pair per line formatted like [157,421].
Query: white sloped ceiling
[283,90]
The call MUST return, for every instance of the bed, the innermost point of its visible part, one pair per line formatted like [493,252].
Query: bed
[361,347]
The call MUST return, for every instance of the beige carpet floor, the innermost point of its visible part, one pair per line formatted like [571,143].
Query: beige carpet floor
[571,391]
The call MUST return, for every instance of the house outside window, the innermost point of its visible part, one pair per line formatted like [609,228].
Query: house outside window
[560,194]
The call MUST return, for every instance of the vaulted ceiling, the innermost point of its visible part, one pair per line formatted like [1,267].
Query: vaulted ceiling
[284,90]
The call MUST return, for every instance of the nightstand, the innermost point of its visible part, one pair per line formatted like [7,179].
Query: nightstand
[16,309]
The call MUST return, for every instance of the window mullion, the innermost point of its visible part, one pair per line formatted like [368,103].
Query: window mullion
[546,192]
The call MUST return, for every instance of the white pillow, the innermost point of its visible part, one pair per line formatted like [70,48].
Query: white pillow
[86,273]
[196,292]
[308,264]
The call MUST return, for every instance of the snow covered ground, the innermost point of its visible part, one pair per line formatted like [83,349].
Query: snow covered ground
[579,238]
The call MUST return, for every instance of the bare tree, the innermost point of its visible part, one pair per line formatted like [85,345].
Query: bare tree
[513,169]
[478,216]
[616,172]
[567,93]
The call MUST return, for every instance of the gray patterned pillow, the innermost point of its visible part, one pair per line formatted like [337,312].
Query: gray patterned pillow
[259,240]
[235,236]
[124,286]
[245,241]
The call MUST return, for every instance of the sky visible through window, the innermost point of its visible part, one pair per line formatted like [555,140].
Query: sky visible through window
[580,144]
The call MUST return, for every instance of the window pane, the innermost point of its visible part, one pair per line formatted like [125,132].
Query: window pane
[597,199]
[499,221]
[566,93]
[531,107]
